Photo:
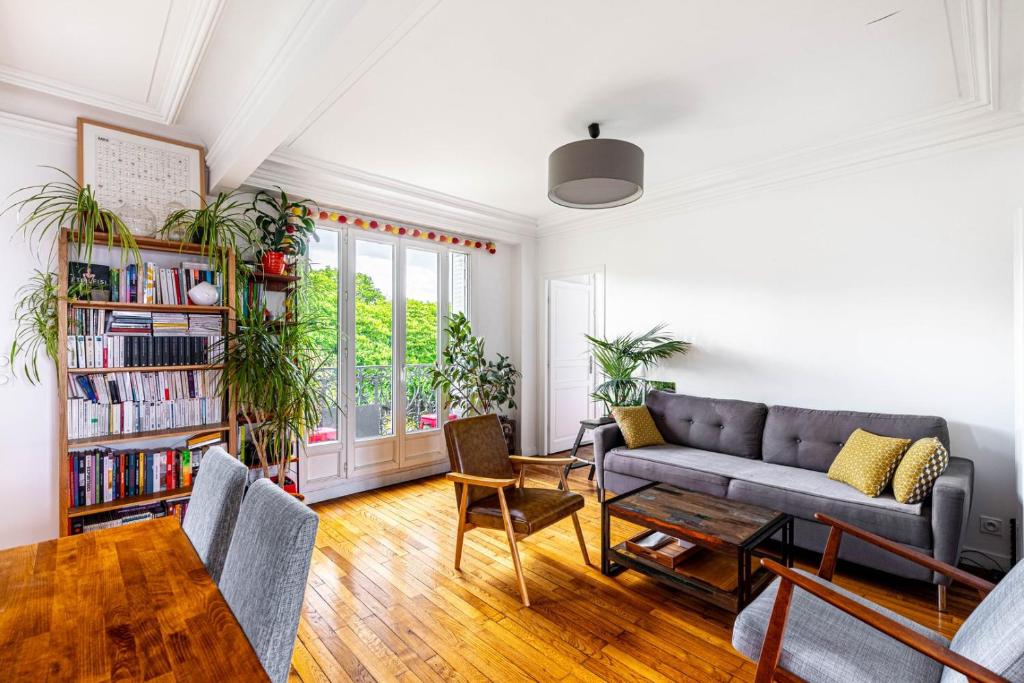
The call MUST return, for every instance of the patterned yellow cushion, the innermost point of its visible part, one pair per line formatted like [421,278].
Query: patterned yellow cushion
[919,469]
[637,426]
[867,461]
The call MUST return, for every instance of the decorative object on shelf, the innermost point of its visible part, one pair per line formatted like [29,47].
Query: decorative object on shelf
[402,231]
[285,226]
[620,358]
[217,227]
[203,294]
[164,176]
[68,204]
[274,372]
[596,173]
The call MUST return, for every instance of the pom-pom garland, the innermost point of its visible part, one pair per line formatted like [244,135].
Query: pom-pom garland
[392,229]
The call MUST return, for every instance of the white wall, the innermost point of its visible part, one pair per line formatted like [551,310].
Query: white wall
[28,485]
[888,291]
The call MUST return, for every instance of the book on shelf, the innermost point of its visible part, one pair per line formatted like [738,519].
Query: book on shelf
[148,283]
[103,475]
[117,403]
[122,339]
[128,515]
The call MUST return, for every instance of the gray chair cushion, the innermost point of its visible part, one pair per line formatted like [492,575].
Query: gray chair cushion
[213,508]
[993,635]
[265,573]
[811,439]
[711,424]
[825,645]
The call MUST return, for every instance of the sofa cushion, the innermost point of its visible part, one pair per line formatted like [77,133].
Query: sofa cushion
[637,427]
[688,468]
[811,439]
[710,424]
[823,643]
[920,466]
[866,462]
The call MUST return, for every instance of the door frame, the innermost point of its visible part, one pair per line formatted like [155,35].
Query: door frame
[598,273]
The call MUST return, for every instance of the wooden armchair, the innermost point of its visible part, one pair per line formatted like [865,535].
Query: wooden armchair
[490,493]
[825,633]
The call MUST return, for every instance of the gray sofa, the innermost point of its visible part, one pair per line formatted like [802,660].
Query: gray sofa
[778,457]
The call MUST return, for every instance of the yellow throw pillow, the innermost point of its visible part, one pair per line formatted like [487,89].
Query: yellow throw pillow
[637,426]
[919,469]
[867,461]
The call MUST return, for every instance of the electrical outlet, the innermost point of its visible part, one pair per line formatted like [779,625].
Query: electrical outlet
[991,525]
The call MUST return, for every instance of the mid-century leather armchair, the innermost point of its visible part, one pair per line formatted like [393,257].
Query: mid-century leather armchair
[490,492]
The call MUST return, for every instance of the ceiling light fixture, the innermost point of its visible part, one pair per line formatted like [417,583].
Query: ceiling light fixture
[596,173]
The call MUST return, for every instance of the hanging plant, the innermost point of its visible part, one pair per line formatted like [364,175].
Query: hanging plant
[66,204]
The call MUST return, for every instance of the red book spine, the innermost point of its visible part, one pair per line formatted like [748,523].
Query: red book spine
[177,284]
[170,470]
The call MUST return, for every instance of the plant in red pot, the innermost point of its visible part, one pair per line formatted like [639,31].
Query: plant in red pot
[285,226]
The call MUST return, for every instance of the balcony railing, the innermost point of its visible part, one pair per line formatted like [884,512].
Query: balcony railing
[374,400]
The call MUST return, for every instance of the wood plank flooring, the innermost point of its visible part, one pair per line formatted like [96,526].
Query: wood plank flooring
[384,604]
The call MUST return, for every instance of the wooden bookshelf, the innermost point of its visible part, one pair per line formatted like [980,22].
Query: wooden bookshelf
[229,427]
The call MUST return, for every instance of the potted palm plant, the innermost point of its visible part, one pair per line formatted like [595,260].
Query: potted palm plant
[284,225]
[471,383]
[275,374]
[622,357]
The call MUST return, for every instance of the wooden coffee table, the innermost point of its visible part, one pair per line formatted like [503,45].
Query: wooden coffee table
[733,536]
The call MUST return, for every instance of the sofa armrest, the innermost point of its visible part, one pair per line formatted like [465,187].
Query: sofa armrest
[606,437]
[951,506]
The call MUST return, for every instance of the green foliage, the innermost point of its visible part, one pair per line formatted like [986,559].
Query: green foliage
[284,224]
[620,358]
[471,383]
[66,204]
[219,226]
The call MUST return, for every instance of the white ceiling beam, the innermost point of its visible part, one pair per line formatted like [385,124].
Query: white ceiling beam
[329,48]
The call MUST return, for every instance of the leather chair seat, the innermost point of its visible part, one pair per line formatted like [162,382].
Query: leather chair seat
[529,509]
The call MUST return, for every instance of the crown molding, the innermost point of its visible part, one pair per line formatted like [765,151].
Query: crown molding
[339,185]
[185,61]
[36,128]
[973,119]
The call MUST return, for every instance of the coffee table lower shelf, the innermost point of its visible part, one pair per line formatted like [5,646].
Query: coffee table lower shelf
[621,559]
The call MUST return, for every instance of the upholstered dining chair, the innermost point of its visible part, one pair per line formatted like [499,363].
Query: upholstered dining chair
[213,507]
[265,572]
[490,493]
[805,628]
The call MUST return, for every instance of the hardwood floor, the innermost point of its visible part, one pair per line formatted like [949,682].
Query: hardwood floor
[383,602]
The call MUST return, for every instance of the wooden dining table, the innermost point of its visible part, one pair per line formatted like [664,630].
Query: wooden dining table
[130,603]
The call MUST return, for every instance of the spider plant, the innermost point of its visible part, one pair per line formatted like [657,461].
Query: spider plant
[620,358]
[275,374]
[35,317]
[66,204]
[220,225]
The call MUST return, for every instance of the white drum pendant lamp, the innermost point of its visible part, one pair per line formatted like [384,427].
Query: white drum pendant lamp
[595,173]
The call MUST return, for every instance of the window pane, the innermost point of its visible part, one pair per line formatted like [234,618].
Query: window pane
[458,294]
[319,305]
[374,302]
[421,297]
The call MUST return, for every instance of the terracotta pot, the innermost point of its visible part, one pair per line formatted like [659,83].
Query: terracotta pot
[273,262]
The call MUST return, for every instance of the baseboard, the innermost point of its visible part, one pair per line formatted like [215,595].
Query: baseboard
[362,484]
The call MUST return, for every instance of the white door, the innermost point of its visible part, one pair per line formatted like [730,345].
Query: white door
[570,316]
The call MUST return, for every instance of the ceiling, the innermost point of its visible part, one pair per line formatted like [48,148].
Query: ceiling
[473,100]
[446,110]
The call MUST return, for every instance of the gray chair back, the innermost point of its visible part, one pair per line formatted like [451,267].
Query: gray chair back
[993,635]
[265,572]
[213,507]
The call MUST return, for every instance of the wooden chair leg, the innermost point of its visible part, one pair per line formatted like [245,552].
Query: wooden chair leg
[579,537]
[463,503]
[512,547]
[942,598]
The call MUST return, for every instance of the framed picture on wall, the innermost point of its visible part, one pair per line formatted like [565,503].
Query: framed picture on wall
[138,176]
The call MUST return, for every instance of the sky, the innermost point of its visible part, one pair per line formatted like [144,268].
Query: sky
[375,259]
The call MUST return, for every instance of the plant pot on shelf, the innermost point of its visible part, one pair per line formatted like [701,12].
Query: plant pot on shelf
[273,262]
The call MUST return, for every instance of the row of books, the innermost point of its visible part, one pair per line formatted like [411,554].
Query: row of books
[114,351]
[87,420]
[96,321]
[148,284]
[102,475]
[148,387]
[129,515]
